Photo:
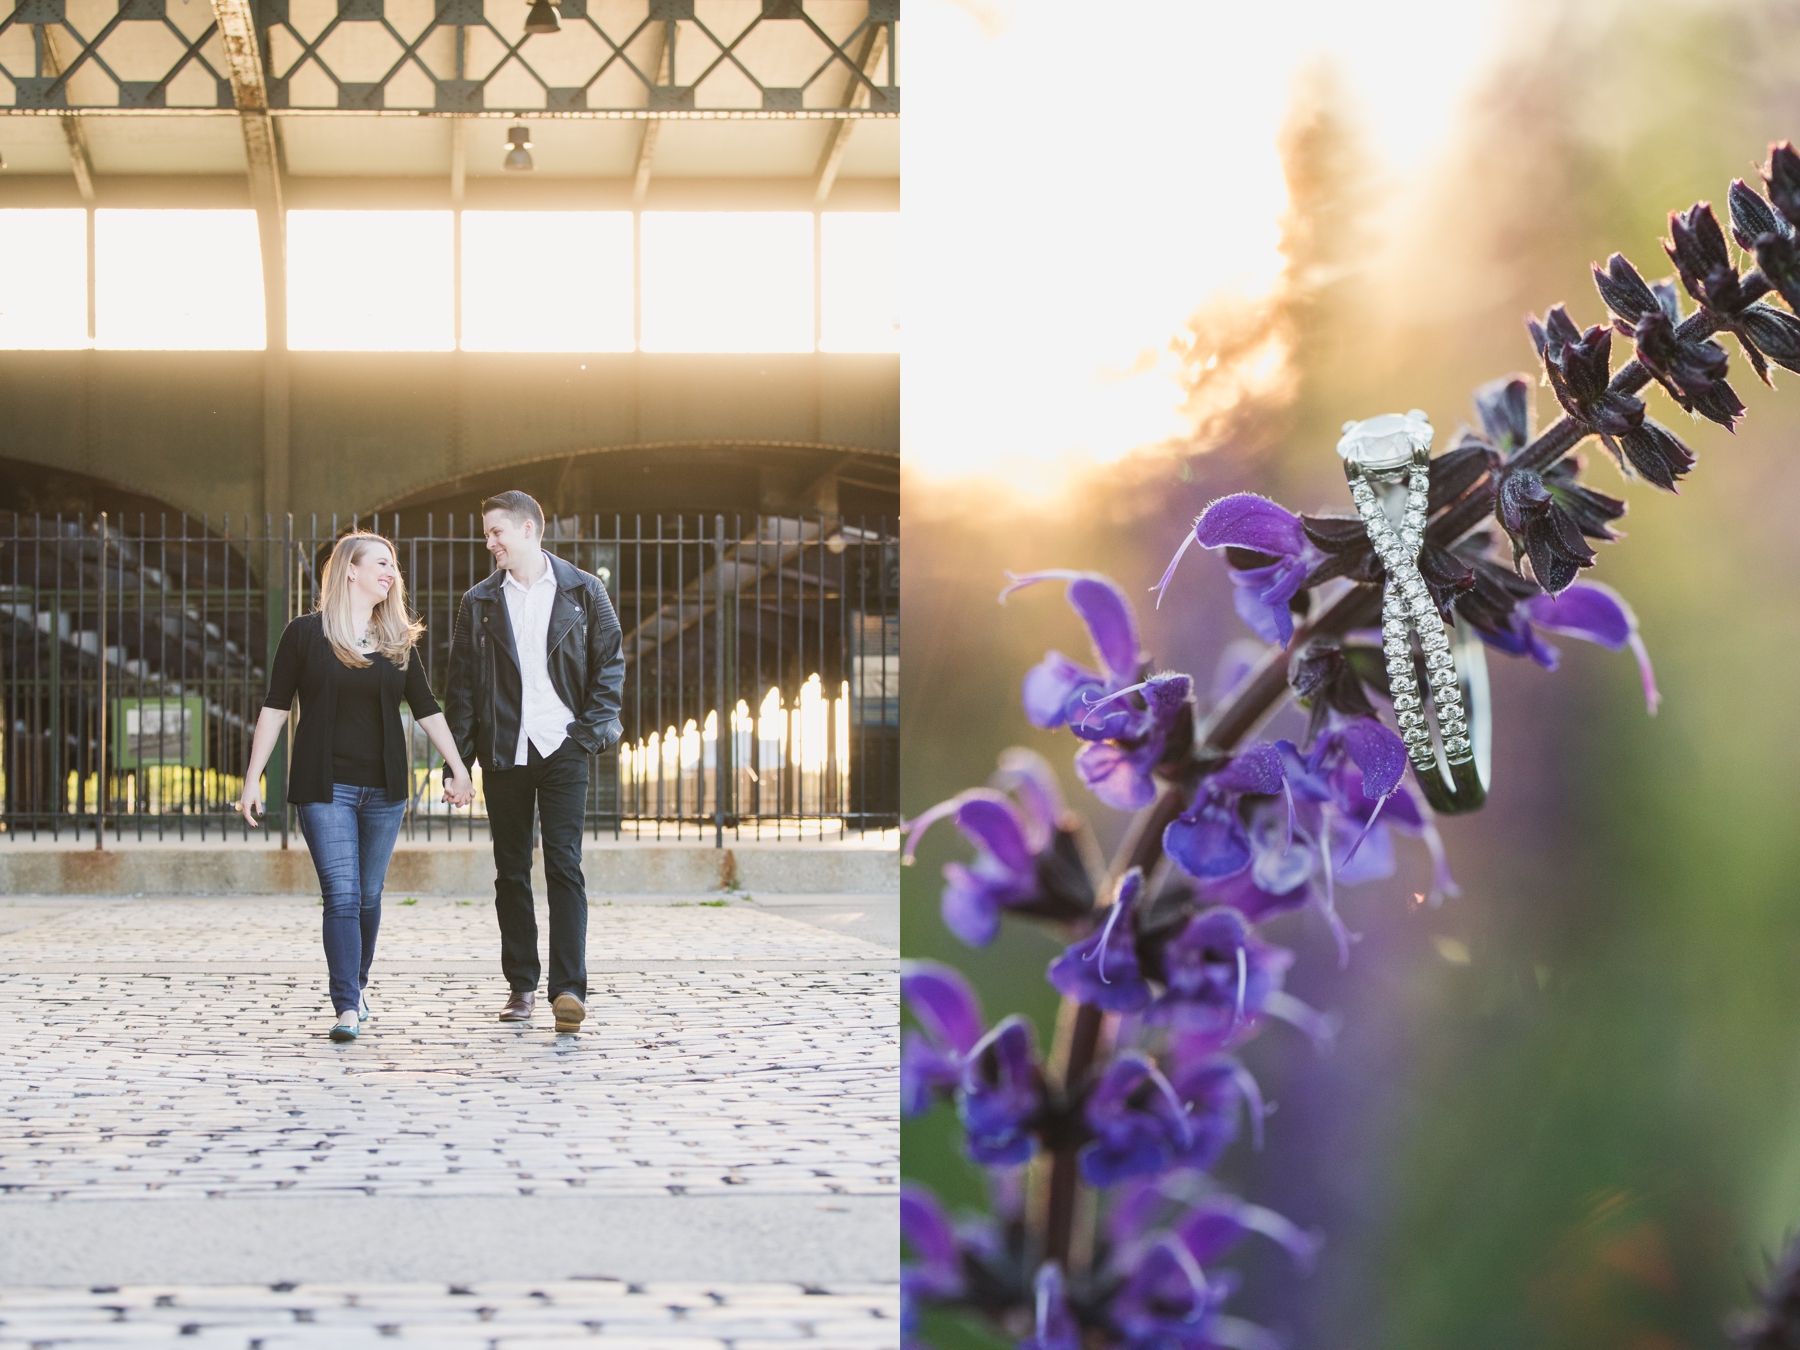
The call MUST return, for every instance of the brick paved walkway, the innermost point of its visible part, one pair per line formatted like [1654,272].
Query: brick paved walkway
[529,1317]
[159,1053]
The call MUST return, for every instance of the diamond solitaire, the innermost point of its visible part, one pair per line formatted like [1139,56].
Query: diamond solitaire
[1385,443]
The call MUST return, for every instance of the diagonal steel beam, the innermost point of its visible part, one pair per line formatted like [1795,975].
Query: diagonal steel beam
[79,159]
[262,157]
[856,95]
[664,68]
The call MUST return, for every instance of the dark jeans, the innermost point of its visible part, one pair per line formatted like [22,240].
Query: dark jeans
[557,788]
[351,838]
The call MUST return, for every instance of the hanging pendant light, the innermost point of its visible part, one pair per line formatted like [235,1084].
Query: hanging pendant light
[542,18]
[518,159]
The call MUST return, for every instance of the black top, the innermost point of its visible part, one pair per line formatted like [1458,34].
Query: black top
[356,739]
[306,664]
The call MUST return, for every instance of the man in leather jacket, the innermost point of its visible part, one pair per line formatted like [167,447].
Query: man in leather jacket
[537,663]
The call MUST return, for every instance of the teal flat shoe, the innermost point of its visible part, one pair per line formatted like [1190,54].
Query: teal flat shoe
[345,1031]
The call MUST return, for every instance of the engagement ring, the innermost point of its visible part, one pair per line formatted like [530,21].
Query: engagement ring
[1388,461]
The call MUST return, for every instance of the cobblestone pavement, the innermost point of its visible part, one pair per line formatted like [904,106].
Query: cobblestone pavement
[154,1048]
[527,1316]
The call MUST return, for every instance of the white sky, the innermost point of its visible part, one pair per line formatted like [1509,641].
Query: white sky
[1078,180]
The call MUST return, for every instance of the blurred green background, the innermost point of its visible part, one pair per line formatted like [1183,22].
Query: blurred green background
[1589,1134]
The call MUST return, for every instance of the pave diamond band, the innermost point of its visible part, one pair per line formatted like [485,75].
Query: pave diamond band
[1452,768]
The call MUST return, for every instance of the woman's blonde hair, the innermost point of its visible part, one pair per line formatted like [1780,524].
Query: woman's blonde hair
[394,630]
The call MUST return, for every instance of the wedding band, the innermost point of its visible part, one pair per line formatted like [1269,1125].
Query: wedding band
[1383,455]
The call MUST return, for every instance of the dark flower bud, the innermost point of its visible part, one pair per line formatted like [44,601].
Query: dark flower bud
[1579,365]
[1460,470]
[1751,216]
[1345,543]
[1593,512]
[1489,604]
[1657,453]
[1696,245]
[1446,576]
[1783,178]
[1324,682]
[1691,370]
[1504,406]
[1772,332]
[1541,530]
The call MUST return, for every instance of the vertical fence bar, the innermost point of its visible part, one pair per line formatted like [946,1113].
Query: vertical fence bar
[100,702]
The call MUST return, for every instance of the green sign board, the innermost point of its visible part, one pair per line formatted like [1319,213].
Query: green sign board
[166,732]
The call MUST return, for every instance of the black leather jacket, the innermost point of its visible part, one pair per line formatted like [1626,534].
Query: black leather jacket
[586,662]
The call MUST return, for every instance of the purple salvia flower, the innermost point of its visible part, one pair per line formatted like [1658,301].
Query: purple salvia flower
[1102,969]
[1696,245]
[1061,692]
[1208,840]
[1120,770]
[937,1270]
[1274,563]
[1000,1095]
[1126,718]
[1167,1303]
[1586,610]
[1145,1123]
[950,1014]
[1218,1223]
[1056,1328]
[1004,871]
[1219,977]
[1593,613]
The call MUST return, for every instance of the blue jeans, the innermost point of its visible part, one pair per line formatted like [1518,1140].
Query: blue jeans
[351,837]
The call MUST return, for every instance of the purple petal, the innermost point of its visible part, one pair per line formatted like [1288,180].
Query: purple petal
[1255,769]
[1374,858]
[1596,613]
[1052,684]
[1378,752]
[1219,1222]
[1167,695]
[1208,841]
[1107,614]
[1102,969]
[926,1229]
[992,823]
[1119,777]
[1245,520]
[1586,610]
[1270,620]
[1029,777]
[943,1002]
[971,907]
[923,1070]
[1056,1327]
[1243,894]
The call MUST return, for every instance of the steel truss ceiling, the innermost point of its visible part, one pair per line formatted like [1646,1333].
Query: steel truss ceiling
[624,59]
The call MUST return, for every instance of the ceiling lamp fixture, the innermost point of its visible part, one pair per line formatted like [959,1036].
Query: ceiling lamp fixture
[542,18]
[518,159]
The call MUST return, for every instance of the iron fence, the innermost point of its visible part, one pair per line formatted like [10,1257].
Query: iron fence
[761,691]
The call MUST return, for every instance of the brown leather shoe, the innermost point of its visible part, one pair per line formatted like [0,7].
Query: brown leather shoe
[518,1007]
[570,1012]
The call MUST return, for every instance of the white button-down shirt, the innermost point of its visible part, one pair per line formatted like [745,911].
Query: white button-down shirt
[543,717]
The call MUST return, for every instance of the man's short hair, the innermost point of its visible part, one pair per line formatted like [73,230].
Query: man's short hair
[521,506]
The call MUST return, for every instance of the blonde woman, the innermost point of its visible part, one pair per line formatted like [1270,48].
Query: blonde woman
[351,661]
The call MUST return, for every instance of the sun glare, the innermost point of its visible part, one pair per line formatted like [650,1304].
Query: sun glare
[582,304]
[178,281]
[43,286]
[859,268]
[728,281]
[1056,245]
[370,281]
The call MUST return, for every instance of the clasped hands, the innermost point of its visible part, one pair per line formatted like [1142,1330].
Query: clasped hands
[458,790]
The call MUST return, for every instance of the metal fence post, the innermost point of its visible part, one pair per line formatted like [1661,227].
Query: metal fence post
[100,749]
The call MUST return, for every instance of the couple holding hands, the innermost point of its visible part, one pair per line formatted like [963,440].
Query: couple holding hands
[536,667]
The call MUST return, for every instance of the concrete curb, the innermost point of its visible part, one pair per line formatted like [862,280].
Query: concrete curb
[450,869]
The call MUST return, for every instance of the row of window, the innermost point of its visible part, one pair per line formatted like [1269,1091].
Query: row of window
[532,281]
